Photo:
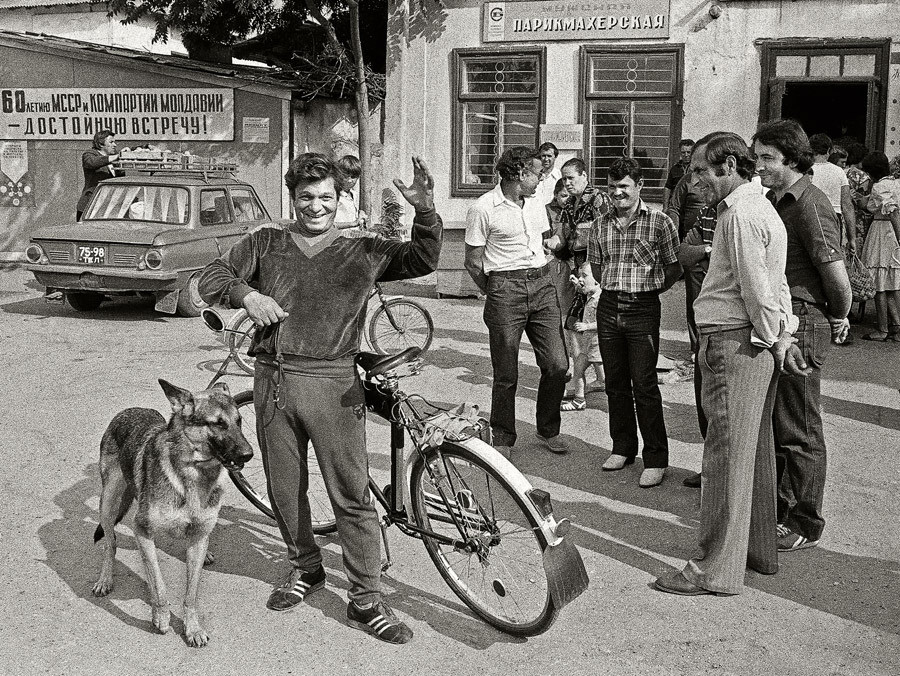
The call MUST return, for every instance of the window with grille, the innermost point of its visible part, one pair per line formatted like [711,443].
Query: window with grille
[632,108]
[498,104]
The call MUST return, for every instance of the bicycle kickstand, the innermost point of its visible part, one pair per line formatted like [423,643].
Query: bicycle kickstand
[387,563]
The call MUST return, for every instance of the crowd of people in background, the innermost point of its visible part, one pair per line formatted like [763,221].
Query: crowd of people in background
[762,234]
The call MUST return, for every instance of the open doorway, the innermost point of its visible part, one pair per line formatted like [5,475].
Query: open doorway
[834,87]
[836,109]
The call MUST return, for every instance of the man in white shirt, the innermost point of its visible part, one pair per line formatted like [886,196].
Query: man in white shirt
[743,313]
[550,173]
[505,257]
[833,181]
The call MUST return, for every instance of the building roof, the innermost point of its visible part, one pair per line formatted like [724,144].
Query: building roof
[19,4]
[261,76]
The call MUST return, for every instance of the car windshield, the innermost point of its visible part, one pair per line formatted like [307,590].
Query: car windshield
[157,203]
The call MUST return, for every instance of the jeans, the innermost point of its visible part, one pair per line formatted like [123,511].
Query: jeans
[799,438]
[628,330]
[515,305]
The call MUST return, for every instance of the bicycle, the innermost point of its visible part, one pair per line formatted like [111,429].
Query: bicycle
[396,324]
[492,536]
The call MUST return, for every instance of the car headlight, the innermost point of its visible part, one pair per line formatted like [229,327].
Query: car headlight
[152,259]
[35,254]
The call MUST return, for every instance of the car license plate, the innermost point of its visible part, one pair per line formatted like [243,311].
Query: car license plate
[91,255]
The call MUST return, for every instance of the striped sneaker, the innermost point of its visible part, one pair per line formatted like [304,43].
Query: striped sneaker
[380,621]
[791,541]
[298,586]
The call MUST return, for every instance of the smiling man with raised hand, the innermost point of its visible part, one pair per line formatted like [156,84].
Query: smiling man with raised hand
[743,313]
[633,251]
[306,287]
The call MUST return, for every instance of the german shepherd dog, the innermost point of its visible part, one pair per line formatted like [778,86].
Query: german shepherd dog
[177,471]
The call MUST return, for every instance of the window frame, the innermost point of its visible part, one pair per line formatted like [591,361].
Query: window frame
[772,48]
[676,98]
[457,59]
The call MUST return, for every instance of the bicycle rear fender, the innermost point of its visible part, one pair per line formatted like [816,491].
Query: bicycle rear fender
[566,574]
[491,457]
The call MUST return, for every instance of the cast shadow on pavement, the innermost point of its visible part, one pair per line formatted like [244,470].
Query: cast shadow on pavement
[633,525]
[123,309]
[244,543]
[681,419]
[872,414]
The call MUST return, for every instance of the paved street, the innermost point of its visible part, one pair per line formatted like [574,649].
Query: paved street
[831,610]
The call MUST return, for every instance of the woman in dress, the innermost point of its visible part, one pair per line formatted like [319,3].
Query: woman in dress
[881,253]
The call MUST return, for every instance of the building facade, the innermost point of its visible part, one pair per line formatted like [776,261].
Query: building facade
[602,79]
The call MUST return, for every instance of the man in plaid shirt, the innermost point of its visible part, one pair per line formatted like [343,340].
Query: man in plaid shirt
[633,251]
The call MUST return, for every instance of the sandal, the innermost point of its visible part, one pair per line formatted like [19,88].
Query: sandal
[573,405]
[879,336]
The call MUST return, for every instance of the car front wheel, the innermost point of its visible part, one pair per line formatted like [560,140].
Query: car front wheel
[84,301]
[189,301]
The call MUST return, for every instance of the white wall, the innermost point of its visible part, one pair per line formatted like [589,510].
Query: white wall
[722,69]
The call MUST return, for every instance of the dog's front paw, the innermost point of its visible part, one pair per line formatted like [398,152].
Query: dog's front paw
[196,638]
[161,618]
[103,587]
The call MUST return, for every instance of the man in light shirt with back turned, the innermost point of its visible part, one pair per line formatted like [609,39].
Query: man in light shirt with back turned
[744,316]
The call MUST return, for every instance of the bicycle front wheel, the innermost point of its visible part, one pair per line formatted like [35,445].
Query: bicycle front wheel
[239,342]
[251,479]
[398,324]
[500,576]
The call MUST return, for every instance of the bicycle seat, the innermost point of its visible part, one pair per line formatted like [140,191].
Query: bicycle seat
[377,364]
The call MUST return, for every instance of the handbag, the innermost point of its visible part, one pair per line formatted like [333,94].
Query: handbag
[862,282]
[576,311]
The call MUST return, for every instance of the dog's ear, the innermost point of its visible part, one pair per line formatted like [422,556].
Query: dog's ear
[182,400]
[224,387]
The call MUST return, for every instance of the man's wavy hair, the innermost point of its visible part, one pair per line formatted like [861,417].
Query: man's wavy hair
[311,168]
[515,159]
[790,139]
[719,145]
[100,138]
[625,167]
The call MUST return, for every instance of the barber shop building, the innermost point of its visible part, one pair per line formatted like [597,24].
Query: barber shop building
[604,79]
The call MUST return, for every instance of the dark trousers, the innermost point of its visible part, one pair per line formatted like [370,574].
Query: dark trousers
[628,331]
[799,439]
[329,412]
[515,305]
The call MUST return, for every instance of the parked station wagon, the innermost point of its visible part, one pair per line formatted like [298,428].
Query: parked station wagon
[150,234]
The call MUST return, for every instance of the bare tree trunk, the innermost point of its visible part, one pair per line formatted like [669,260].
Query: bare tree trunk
[362,90]
[362,109]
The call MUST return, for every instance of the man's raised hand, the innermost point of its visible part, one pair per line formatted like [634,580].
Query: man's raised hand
[420,193]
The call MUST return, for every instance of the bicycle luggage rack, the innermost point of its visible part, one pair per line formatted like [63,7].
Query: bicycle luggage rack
[190,165]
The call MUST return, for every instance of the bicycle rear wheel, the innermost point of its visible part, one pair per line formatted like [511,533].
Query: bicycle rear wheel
[239,341]
[503,580]
[251,479]
[399,324]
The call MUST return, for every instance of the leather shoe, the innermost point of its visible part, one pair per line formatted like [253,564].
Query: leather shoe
[553,444]
[680,585]
[652,476]
[616,462]
[693,480]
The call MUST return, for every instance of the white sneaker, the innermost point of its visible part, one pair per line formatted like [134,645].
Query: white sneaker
[652,476]
[616,462]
